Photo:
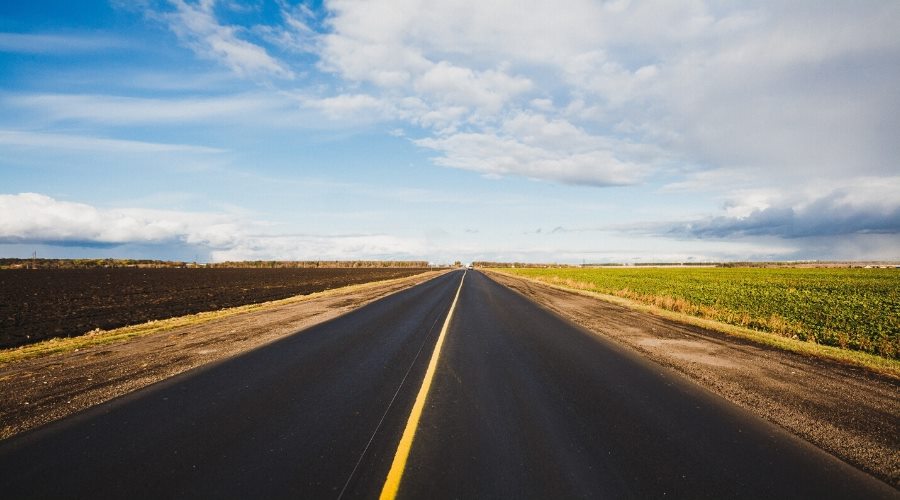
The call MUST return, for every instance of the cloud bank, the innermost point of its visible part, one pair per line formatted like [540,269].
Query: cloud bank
[869,206]
[31,218]
[768,88]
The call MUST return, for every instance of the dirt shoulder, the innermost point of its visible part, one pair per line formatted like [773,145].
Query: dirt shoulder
[849,411]
[48,387]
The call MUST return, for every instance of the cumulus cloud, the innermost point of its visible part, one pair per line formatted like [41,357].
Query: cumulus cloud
[39,219]
[354,107]
[493,155]
[775,88]
[535,146]
[783,90]
[484,90]
[36,218]
[452,70]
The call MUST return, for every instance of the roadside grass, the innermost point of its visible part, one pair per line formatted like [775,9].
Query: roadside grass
[681,310]
[100,337]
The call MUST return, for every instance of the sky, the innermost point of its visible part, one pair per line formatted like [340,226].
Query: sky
[503,130]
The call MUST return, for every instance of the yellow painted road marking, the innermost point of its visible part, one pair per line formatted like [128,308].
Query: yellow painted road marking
[392,483]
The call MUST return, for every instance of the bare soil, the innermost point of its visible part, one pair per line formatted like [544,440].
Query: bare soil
[38,304]
[39,390]
[848,411]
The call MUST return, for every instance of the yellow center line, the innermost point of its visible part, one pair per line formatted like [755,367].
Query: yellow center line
[392,483]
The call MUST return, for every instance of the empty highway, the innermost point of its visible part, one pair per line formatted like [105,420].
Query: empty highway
[455,388]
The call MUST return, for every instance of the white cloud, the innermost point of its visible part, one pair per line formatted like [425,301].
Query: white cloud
[39,219]
[773,90]
[295,34]
[49,43]
[486,91]
[109,109]
[537,129]
[469,30]
[312,247]
[532,145]
[785,90]
[26,139]
[32,217]
[496,156]
[197,26]
[800,90]
[353,106]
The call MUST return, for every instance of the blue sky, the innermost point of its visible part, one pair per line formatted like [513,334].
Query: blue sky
[609,131]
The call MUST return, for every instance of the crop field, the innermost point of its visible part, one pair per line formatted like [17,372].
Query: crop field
[37,304]
[855,309]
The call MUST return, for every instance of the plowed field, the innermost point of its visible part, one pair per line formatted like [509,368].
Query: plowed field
[46,303]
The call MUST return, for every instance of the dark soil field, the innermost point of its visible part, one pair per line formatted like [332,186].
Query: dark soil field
[40,304]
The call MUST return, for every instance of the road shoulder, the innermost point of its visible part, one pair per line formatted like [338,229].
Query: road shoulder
[41,389]
[850,412]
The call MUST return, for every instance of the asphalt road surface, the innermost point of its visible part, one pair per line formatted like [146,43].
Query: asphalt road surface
[521,404]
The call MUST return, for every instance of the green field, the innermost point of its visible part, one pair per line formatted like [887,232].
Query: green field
[855,309]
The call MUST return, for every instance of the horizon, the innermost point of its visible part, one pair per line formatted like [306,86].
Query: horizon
[118,262]
[605,132]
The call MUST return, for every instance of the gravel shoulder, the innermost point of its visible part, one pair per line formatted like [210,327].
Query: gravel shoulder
[39,390]
[851,412]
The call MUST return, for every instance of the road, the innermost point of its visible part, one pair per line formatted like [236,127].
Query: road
[518,404]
